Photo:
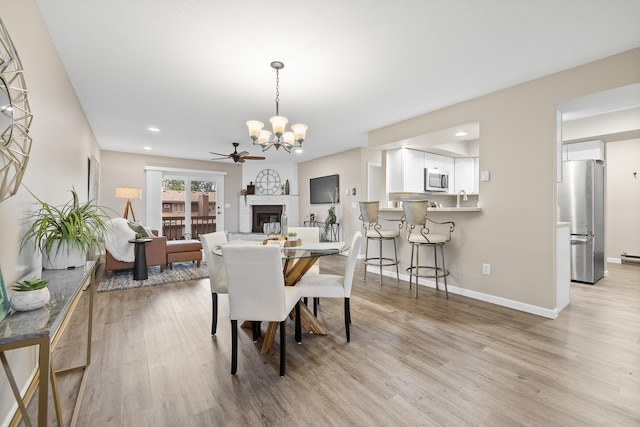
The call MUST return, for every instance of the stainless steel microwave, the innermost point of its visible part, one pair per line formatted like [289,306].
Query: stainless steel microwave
[436,180]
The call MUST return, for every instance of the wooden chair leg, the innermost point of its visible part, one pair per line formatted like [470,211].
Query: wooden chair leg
[234,347]
[214,309]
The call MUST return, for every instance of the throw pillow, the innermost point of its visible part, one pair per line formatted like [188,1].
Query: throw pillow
[139,228]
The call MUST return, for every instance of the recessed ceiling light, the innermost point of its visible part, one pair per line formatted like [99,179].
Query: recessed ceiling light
[148,148]
[299,150]
[461,133]
[153,129]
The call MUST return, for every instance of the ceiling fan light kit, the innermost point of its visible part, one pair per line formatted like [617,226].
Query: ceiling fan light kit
[279,137]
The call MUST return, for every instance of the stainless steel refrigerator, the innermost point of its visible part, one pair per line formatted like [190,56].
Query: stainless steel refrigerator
[581,202]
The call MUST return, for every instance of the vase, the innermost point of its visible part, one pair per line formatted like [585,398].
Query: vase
[63,257]
[30,300]
[287,189]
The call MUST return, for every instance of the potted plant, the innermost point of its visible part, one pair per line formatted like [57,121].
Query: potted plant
[331,219]
[293,236]
[64,234]
[30,294]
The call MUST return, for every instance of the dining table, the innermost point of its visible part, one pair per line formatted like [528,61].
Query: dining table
[296,262]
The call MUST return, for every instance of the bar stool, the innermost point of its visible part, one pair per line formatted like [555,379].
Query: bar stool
[415,216]
[373,231]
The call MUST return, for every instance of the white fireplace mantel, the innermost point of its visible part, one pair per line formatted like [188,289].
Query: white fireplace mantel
[291,202]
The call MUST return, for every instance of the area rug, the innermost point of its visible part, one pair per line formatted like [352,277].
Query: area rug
[181,272]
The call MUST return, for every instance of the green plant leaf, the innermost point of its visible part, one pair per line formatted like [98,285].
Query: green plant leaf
[80,225]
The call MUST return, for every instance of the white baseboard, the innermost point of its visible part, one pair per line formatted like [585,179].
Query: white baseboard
[504,302]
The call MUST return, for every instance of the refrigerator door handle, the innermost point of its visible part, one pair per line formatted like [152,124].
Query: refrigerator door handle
[578,239]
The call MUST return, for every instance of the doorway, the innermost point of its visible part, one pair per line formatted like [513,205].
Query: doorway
[184,203]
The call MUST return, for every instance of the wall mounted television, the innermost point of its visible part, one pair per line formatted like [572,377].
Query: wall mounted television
[323,189]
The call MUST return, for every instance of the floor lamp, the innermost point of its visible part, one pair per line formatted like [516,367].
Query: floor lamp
[128,193]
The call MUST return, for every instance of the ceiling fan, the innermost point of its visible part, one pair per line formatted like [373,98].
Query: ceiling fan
[237,157]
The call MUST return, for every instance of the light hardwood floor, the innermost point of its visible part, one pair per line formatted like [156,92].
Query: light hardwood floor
[427,361]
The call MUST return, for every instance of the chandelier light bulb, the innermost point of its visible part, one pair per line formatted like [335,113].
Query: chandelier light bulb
[278,123]
[288,138]
[300,131]
[254,128]
[264,137]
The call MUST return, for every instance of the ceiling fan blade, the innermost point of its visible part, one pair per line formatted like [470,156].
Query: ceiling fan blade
[220,154]
[242,153]
[254,158]
[240,160]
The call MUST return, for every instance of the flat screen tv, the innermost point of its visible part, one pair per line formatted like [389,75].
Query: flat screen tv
[324,190]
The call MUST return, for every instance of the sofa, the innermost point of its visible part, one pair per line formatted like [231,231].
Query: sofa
[156,252]
[119,253]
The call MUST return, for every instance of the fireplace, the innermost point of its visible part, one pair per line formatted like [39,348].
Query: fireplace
[263,214]
[247,203]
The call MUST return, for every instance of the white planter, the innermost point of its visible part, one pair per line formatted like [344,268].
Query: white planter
[63,258]
[30,300]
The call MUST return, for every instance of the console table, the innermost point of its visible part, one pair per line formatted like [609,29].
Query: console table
[44,327]
[333,233]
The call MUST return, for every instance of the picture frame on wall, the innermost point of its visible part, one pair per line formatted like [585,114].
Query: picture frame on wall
[4,299]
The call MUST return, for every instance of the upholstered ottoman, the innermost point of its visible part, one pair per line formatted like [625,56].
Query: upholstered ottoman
[183,250]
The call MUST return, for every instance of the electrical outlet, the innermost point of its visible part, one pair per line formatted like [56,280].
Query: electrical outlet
[354,205]
[486,268]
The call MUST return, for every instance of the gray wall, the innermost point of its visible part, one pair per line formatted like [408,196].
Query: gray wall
[62,145]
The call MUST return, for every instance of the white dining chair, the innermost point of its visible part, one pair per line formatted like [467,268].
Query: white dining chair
[257,293]
[308,235]
[332,285]
[217,276]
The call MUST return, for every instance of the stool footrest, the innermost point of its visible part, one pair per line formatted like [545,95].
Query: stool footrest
[431,272]
[381,261]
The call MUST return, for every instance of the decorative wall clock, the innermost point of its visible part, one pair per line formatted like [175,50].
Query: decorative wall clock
[15,119]
[268,182]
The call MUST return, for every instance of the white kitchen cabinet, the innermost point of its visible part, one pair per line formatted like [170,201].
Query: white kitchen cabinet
[413,170]
[438,161]
[405,170]
[585,150]
[466,175]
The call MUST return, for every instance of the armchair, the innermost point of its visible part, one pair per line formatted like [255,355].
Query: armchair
[119,252]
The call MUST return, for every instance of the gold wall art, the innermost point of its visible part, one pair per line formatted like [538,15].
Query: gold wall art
[15,118]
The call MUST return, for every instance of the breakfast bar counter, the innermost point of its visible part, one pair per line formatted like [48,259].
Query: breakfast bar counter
[443,209]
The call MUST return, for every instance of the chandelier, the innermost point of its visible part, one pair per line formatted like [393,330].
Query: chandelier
[279,138]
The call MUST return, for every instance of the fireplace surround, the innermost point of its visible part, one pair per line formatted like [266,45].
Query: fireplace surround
[246,209]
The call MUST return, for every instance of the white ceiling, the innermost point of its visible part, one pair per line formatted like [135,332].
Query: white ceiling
[199,69]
